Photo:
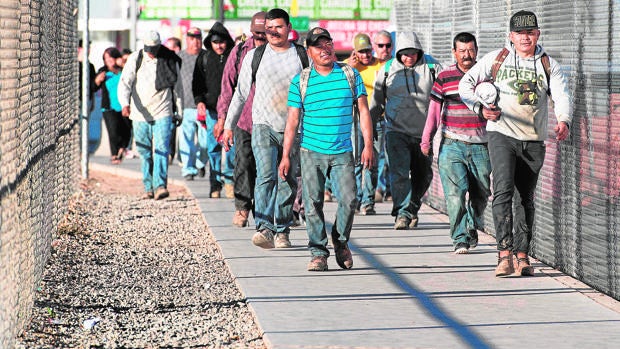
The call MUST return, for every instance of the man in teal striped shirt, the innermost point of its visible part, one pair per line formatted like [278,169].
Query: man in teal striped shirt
[326,148]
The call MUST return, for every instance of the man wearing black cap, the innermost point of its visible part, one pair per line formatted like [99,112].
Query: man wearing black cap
[326,92]
[525,77]
[206,87]
[245,165]
[148,91]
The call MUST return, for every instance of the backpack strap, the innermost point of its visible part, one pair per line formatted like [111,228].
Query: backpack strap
[544,59]
[499,60]
[304,76]
[386,70]
[239,46]
[139,60]
[431,65]
[260,51]
[350,74]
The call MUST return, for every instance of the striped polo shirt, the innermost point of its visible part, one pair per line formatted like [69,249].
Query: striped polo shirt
[327,110]
[457,120]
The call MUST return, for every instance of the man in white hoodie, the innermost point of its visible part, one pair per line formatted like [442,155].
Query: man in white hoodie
[517,129]
[402,89]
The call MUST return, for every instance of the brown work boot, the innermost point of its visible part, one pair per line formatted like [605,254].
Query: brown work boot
[229,191]
[318,263]
[161,193]
[263,239]
[505,265]
[523,267]
[282,241]
[343,256]
[241,218]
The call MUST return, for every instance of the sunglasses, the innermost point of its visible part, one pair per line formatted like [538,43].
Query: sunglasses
[384,45]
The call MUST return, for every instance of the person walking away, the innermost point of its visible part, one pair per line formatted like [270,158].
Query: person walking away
[463,160]
[149,91]
[118,127]
[244,174]
[193,137]
[403,94]
[275,65]
[525,77]
[327,92]
[368,66]
[206,87]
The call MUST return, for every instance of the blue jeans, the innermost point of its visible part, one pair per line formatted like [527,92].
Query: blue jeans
[218,175]
[314,170]
[516,164]
[383,184]
[192,143]
[273,197]
[464,168]
[410,173]
[153,144]
[366,179]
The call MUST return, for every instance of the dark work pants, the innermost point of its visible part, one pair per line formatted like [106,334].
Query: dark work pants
[516,164]
[119,130]
[244,171]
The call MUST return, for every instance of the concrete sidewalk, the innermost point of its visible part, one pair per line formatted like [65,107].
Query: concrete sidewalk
[406,289]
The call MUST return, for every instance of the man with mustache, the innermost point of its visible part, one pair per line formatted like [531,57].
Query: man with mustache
[280,61]
[463,160]
[244,175]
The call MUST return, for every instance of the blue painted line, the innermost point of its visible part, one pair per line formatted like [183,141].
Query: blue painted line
[469,337]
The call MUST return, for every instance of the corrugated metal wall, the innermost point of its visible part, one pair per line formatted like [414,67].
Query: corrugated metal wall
[39,145]
[577,201]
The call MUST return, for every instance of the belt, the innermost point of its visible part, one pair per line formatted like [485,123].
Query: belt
[445,136]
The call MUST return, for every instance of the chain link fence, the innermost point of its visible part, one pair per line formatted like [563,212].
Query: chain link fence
[39,144]
[577,200]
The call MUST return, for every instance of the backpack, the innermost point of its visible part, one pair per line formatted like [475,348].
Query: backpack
[305,76]
[501,56]
[388,64]
[258,56]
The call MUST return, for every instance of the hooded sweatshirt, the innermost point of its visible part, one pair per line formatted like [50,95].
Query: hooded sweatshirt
[522,122]
[207,80]
[407,89]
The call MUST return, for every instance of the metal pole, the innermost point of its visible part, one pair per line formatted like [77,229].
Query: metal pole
[85,91]
[133,17]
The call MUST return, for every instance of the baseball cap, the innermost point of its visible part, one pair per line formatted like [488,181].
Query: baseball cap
[194,32]
[258,22]
[361,42]
[315,34]
[523,20]
[152,42]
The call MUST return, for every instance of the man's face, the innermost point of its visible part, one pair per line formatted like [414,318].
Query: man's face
[410,58]
[193,43]
[525,41]
[218,46]
[322,54]
[277,32]
[465,55]
[382,47]
[364,57]
[260,38]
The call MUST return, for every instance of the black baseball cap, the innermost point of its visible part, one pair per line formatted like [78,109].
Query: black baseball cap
[523,20]
[315,34]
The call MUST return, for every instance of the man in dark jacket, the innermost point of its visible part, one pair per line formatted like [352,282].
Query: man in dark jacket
[206,87]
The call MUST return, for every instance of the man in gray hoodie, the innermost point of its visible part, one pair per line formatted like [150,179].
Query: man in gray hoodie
[402,90]
[517,130]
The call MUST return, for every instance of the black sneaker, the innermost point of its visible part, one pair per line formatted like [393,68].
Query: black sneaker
[461,248]
[473,239]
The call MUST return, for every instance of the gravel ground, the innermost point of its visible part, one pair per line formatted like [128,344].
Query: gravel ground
[147,273]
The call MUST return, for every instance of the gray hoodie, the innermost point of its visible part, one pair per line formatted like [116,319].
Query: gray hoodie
[407,89]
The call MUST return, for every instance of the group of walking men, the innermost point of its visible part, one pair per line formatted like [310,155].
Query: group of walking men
[283,113]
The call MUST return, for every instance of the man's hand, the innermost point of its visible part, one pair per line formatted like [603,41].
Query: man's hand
[285,166]
[426,151]
[491,114]
[126,111]
[100,78]
[218,128]
[227,139]
[368,157]
[561,131]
